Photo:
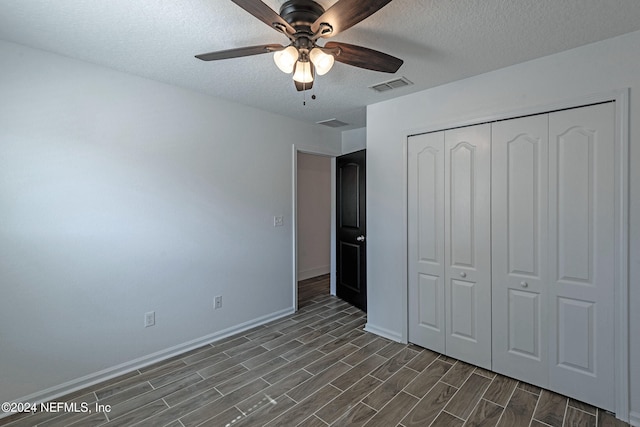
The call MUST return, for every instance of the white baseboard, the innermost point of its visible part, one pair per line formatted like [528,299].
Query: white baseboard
[634,419]
[58,391]
[385,333]
[313,272]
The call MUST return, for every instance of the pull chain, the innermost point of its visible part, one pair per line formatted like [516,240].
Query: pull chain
[304,94]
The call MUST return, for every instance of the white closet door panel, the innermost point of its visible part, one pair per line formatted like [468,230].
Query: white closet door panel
[581,255]
[519,173]
[463,307]
[468,243]
[429,295]
[426,241]
[524,326]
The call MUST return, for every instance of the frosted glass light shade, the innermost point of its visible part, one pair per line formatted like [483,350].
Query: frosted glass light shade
[286,59]
[321,60]
[303,73]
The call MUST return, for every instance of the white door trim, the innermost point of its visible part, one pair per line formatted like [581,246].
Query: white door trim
[621,290]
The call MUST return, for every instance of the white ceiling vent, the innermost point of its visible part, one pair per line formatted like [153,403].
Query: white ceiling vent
[332,123]
[391,84]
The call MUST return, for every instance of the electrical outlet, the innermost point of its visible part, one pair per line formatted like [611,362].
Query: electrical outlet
[217,302]
[149,319]
[278,221]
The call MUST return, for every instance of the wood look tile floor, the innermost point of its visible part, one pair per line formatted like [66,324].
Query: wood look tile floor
[314,369]
[309,289]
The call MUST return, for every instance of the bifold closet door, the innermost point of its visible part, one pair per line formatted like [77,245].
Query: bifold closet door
[426,240]
[553,251]
[520,276]
[467,243]
[449,242]
[581,253]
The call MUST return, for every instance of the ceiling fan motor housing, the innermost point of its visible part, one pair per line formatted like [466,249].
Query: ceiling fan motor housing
[300,14]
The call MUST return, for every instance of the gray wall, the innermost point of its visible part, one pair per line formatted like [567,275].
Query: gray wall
[120,195]
[354,140]
[604,66]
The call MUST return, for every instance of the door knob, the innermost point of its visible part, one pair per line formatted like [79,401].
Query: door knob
[524,284]
[463,274]
[360,238]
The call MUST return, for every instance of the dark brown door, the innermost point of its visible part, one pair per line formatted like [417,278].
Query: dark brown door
[351,250]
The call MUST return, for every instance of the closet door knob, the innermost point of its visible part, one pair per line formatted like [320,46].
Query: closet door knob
[463,274]
[524,284]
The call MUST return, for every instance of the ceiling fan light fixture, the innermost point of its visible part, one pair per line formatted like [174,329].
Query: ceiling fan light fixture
[286,59]
[322,61]
[303,72]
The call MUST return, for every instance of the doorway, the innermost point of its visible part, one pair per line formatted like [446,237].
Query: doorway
[313,226]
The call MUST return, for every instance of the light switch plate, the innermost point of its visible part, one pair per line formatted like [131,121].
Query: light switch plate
[149,319]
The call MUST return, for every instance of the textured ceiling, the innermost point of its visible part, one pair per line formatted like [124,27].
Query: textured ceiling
[439,40]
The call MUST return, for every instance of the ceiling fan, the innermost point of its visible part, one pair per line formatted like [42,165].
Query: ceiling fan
[304,22]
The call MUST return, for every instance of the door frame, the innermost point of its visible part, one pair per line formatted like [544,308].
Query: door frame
[295,149]
[621,256]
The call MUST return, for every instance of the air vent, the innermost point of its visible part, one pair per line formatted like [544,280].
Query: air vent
[391,84]
[332,123]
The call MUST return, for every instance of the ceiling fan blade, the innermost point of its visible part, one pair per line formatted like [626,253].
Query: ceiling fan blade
[264,13]
[364,57]
[345,14]
[302,86]
[241,51]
